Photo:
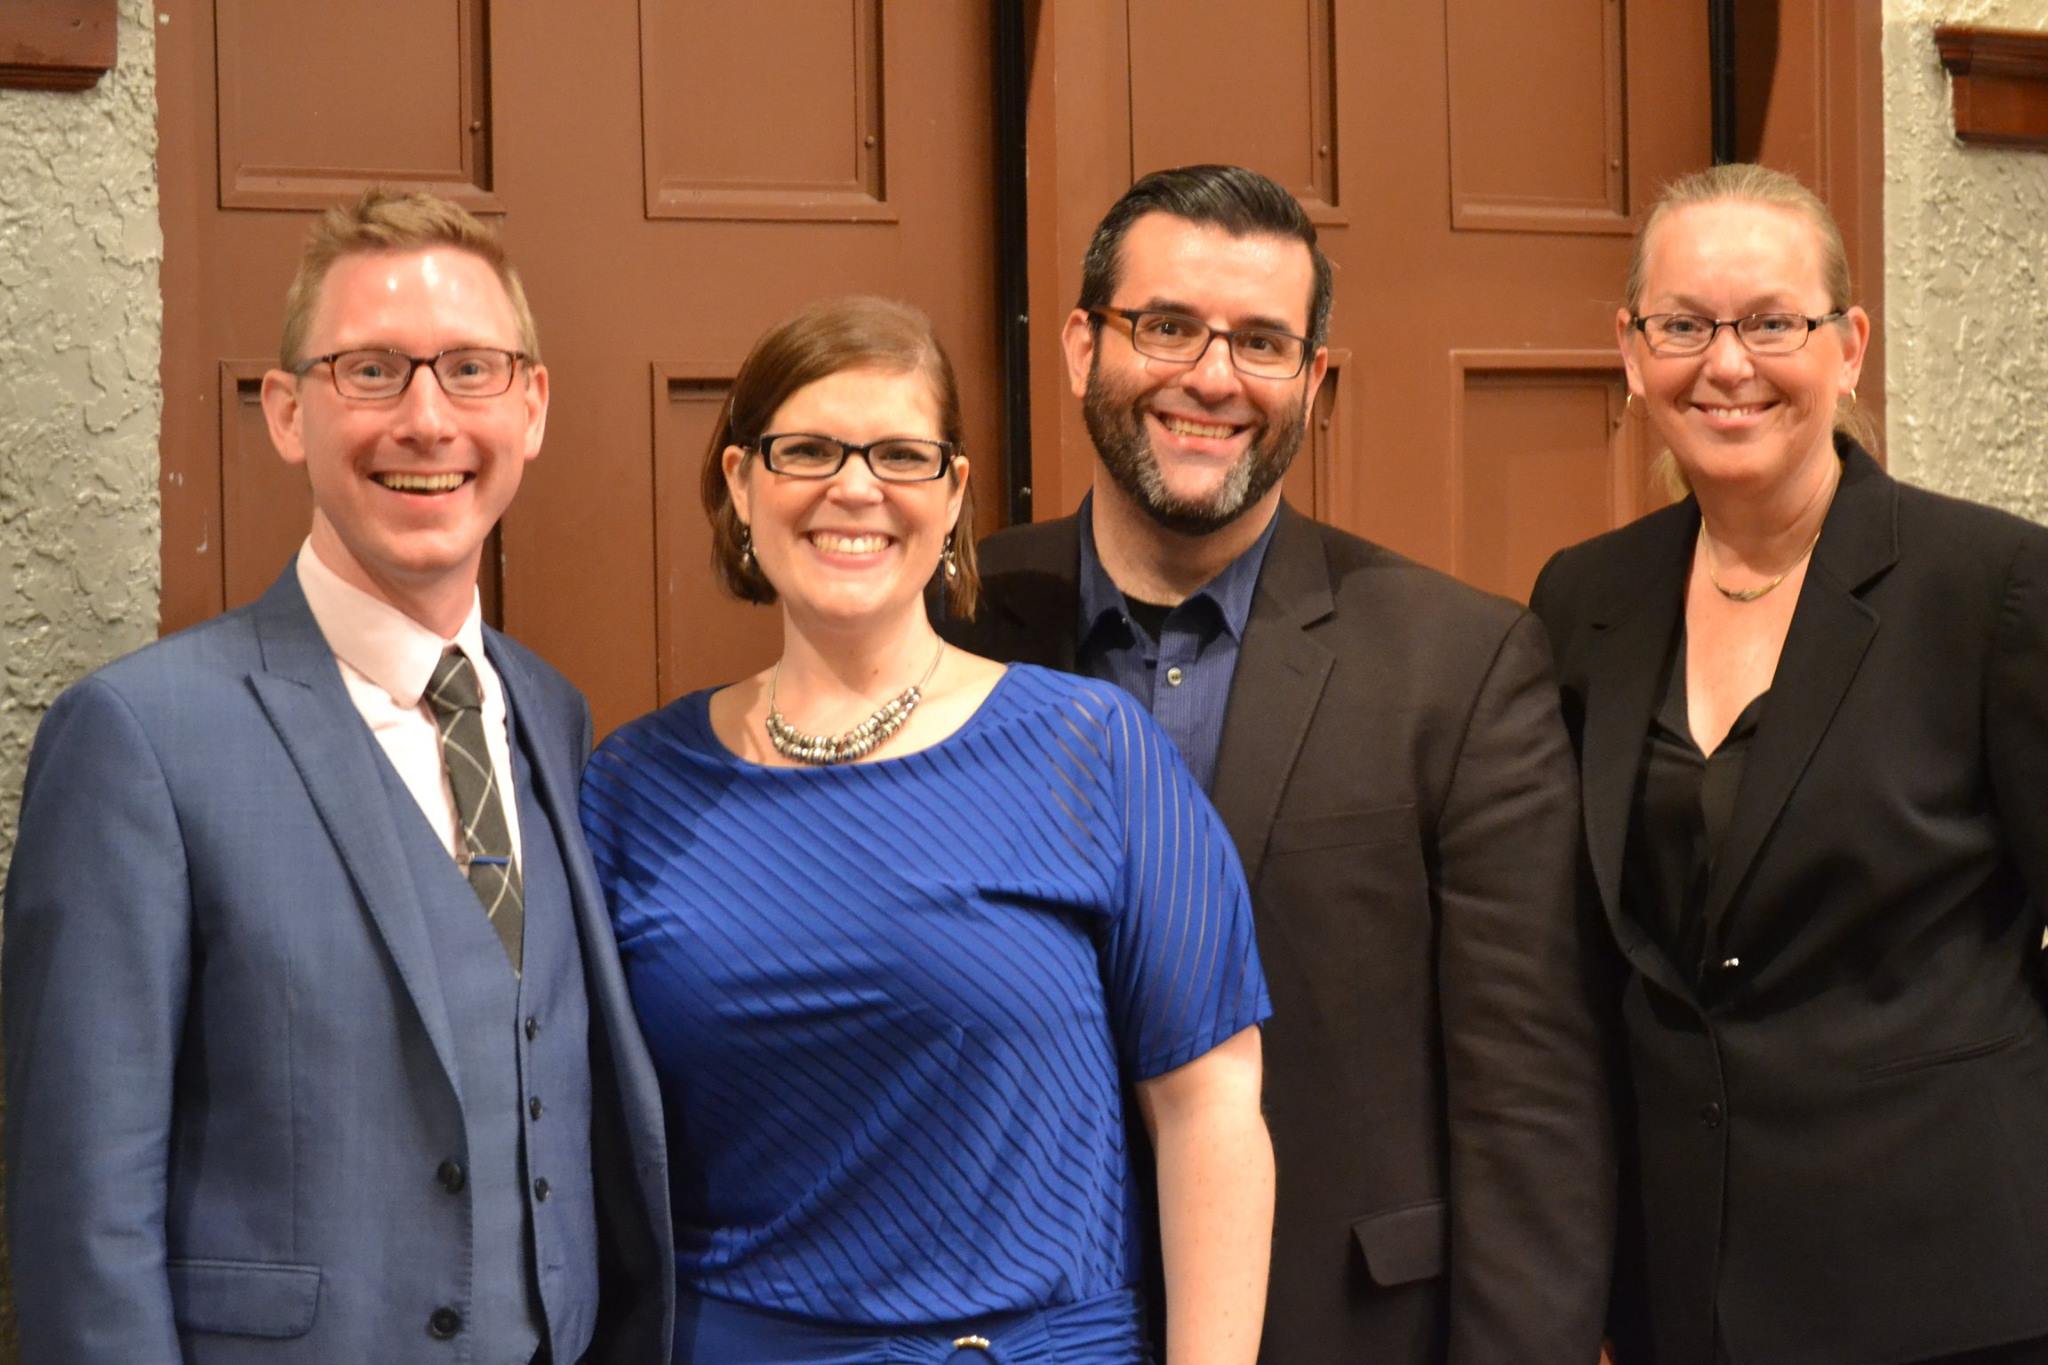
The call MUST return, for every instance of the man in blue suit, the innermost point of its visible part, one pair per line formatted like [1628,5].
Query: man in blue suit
[317,1045]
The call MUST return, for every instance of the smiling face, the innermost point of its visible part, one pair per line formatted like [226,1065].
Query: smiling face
[1745,423]
[405,490]
[849,550]
[1196,446]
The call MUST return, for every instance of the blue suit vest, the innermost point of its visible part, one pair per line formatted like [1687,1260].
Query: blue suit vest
[523,1075]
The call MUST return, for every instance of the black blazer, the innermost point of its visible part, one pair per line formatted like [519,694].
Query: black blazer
[1842,1128]
[1399,785]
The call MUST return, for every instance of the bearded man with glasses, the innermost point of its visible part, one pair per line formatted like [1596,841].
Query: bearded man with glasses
[1385,747]
[317,1043]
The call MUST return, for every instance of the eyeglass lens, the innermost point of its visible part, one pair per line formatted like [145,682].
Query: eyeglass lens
[1253,350]
[1762,333]
[899,459]
[474,373]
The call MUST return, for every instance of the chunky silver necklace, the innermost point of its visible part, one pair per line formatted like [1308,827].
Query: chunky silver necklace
[857,743]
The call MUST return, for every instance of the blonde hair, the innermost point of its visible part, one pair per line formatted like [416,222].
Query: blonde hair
[385,220]
[1749,183]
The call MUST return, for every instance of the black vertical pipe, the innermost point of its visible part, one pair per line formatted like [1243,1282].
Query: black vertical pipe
[1012,66]
[1721,69]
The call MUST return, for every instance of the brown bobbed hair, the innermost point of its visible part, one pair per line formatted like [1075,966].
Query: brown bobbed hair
[1746,182]
[386,220]
[859,332]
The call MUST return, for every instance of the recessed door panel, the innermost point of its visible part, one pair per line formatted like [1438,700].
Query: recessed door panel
[266,504]
[765,111]
[317,102]
[1261,94]
[1542,459]
[1536,115]
[704,636]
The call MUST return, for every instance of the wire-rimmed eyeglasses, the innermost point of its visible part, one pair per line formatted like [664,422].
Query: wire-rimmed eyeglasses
[893,459]
[1258,352]
[463,372]
[1671,334]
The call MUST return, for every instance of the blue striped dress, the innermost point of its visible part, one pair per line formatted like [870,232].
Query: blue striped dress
[893,1004]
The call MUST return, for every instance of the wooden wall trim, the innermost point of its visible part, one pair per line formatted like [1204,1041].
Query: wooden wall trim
[56,44]
[1078,130]
[1999,79]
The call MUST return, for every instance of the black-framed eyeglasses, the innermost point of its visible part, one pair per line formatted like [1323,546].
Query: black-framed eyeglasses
[1259,352]
[464,372]
[893,459]
[1760,333]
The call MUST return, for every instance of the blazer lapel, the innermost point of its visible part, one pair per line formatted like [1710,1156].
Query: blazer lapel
[301,691]
[1035,596]
[554,789]
[1281,673]
[1632,637]
[1831,630]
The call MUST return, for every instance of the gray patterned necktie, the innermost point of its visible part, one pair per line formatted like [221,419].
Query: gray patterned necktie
[485,839]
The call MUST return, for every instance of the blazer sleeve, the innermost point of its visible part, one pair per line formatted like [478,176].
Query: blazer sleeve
[1532,1161]
[2016,713]
[93,982]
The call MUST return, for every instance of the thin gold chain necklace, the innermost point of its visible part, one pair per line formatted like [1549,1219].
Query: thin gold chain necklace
[850,745]
[1747,594]
[1752,594]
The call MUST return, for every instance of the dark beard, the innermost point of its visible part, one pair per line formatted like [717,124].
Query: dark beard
[1116,423]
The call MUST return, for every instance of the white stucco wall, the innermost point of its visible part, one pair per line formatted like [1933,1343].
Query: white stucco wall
[81,330]
[1966,277]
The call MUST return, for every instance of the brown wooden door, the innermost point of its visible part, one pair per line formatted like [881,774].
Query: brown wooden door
[1471,167]
[673,176]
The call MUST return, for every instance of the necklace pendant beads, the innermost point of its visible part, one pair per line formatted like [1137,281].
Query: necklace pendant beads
[851,745]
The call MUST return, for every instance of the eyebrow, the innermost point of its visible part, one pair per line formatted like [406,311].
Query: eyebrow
[1158,304]
[1764,303]
[457,346]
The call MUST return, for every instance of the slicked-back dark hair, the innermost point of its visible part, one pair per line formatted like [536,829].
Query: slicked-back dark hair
[1240,201]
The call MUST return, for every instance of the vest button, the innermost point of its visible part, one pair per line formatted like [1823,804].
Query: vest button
[451,1177]
[444,1323]
[1710,1114]
[540,1190]
[533,1107]
[532,1028]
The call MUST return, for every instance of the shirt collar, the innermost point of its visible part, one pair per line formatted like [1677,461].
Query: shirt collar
[381,642]
[1230,591]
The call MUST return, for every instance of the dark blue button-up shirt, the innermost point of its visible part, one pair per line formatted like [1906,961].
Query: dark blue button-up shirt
[1183,677]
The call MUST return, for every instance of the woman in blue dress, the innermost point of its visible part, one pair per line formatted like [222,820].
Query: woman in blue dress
[906,929]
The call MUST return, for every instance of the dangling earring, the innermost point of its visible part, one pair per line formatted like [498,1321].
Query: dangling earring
[747,549]
[1852,395]
[949,559]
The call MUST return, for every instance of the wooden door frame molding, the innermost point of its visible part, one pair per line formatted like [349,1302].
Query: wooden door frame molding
[2000,84]
[57,44]
[1078,126]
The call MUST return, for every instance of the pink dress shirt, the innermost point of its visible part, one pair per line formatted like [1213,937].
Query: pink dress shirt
[386,660]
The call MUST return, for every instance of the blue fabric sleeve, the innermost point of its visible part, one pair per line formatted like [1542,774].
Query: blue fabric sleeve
[1181,966]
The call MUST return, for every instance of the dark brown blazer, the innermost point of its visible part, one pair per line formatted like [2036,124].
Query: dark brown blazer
[1842,1120]
[1401,790]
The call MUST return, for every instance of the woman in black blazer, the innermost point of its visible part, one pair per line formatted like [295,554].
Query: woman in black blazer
[1811,706]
